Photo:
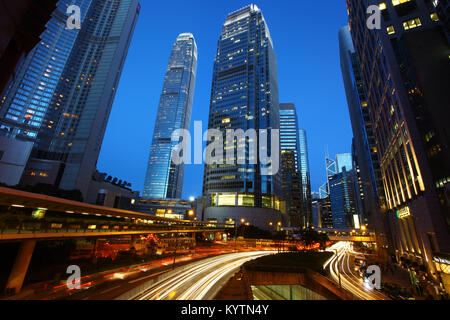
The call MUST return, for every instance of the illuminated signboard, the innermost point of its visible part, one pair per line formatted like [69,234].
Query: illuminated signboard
[38,214]
[403,213]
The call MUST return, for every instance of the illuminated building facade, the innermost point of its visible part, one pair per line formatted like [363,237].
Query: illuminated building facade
[290,164]
[342,199]
[365,159]
[306,179]
[25,101]
[244,96]
[164,179]
[405,69]
[73,125]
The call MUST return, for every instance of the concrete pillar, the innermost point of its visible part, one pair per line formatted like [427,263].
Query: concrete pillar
[20,267]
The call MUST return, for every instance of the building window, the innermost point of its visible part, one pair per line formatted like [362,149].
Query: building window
[412,23]
[397,2]
[434,17]
[390,30]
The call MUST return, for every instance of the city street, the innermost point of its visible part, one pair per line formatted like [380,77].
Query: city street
[341,268]
[202,280]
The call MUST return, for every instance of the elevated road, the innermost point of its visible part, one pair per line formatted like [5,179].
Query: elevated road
[30,216]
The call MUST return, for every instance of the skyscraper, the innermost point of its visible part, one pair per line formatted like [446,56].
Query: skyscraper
[344,160]
[342,199]
[405,69]
[364,145]
[22,25]
[164,179]
[306,178]
[290,164]
[73,125]
[25,102]
[244,96]
[331,169]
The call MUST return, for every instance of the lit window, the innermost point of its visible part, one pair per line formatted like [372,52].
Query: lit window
[434,17]
[382,5]
[390,30]
[397,2]
[412,23]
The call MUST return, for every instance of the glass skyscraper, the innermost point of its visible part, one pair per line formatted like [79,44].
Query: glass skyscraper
[164,179]
[73,125]
[364,144]
[290,164]
[306,178]
[244,96]
[26,100]
[342,199]
[344,160]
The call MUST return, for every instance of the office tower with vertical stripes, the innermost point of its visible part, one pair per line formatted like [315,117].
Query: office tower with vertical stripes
[404,67]
[73,124]
[244,96]
[306,179]
[26,100]
[164,178]
[290,164]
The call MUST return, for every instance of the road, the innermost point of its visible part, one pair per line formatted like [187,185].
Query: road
[202,280]
[341,268]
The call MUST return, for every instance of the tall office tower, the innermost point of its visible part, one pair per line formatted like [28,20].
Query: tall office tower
[68,143]
[244,96]
[22,23]
[331,169]
[364,145]
[290,165]
[405,69]
[326,216]
[344,160]
[306,178]
[342,199]
[25,101]
[360,197]
[323,190]
[164,179]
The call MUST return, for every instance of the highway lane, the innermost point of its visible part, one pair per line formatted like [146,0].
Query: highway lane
[341,267]
[201,281]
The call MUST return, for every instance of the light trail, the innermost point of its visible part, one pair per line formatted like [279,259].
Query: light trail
[341,272]
[196,282]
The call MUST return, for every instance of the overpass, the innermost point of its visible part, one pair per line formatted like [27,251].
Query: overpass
[25,215]
[367,238]
[29,217]
[353,235]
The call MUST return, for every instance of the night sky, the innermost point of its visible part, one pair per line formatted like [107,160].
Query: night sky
[305,36]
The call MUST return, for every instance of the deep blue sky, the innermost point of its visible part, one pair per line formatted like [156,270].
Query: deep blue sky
[305,36]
